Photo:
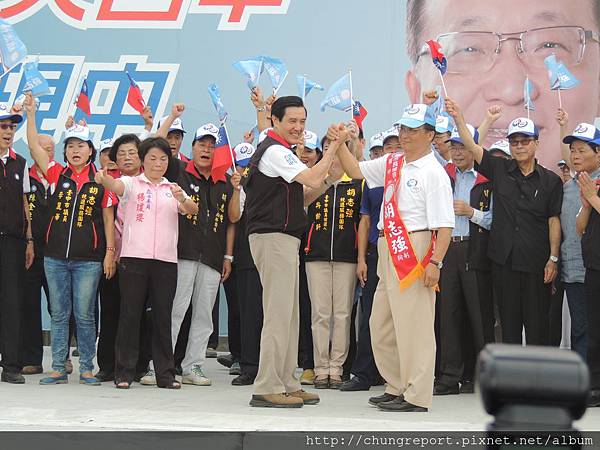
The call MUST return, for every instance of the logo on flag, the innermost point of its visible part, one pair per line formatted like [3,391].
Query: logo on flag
[559,75]
[339,95]
[359,113]
[83,100]
[134,96]
[34,81]
[439,60]
[222,157]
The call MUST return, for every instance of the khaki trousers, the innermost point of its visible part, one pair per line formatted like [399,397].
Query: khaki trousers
[331,286]
[402,332]
[276,258]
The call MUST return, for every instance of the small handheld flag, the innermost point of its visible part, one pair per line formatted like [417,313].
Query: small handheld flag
[439,60]
[215,96]
[252,68]
[12,49]
[34,80]
[222,157]
[359,113]
[134,96]
[339,95]
[559,76]
[277,71]
[305,85]
[83,100]
[527,93]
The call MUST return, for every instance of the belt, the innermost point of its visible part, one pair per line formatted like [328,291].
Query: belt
[459,238]
[382,234]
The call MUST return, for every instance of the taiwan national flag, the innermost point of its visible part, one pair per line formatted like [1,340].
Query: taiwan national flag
[437,56]
[83,101]
[134,96]
[359,113]
[222,157]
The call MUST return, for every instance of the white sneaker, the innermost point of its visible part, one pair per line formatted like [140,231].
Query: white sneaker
[149,379]
[196,377]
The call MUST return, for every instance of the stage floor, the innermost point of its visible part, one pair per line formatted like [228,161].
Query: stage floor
[221,407]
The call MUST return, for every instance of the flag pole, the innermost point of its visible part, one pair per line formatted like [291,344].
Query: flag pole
[443,84]
[351,96]
[9,70]
[559,99]
[230,149]
[528,99]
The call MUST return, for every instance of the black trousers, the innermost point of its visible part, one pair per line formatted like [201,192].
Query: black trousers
[32,349]
[305,342]
[592,300]
[139,279]
[555,315]
[524,301]
[12,274]
[251,320]
[233,315]
[110,305]
[461,303]
[364,365]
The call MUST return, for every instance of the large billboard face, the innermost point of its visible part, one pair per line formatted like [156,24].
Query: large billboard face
[175,48]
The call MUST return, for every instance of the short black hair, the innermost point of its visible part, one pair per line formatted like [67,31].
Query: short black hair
[154,142]
[122,140]
[90,145]
[282,103]
[593,146]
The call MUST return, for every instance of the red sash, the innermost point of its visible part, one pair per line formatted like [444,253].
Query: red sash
[408,268]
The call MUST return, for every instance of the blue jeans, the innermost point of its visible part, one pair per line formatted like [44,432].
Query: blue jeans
[577,309]
[72,285]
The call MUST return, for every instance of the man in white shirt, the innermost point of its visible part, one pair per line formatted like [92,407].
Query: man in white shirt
[275,198]
[415,225]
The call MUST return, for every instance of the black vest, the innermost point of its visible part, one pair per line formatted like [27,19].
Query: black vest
[590,242]
[273,205]
[76,228]
[334,218]
[241,252]
[481,195]
[39,210]
[12,214]
[203,236]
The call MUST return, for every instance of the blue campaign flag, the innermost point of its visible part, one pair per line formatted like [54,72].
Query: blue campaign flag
[559,75]
[339,95]
[12,49]
[215,96]
[276,69]
[35,81]
[305,85]
[252,68]
[527,93]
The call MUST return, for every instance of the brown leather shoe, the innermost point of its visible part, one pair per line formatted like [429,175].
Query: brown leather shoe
[307,397]
[32,370]
[276,401]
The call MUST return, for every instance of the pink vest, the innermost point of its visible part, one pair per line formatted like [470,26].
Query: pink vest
[150,221]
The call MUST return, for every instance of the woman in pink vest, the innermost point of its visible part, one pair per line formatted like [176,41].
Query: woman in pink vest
[148,264]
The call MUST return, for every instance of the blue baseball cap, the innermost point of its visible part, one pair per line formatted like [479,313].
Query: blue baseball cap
[417,115]
[523,125]
[455,136]
[584,132]
[7,114]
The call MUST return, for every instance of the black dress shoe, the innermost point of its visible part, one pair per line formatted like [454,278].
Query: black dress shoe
[355,384]
[12,377]
[385,397]
[321,383]
[400,405]
[243,380]
[103,376]
[593,398]
[467,387]
[225,360]
[442,389]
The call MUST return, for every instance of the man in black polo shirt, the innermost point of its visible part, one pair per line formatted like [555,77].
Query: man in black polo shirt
[15,230]
[276,220]
[525,235]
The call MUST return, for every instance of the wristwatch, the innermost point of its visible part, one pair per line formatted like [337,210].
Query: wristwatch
[228,257]
[553,258]
[261,109]
[438,264]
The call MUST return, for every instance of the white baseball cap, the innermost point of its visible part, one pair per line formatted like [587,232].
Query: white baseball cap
[243,153]
[311,140]
[105,144]
[523,125]
[208,129]
[584,132]
[417,115]
[376,141]
[392,132]
[177,124]
[78,131]
[501,145]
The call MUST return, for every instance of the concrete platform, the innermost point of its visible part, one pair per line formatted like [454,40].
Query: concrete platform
[221,407]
